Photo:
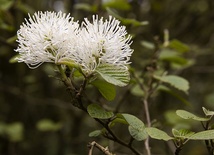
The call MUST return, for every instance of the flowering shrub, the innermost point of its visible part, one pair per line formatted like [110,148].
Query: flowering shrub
[98,53]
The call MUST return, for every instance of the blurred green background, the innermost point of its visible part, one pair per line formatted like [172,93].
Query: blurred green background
[36,116]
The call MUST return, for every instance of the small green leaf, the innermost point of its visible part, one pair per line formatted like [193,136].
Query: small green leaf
[6,4]
[116,75]
[119,120]
[175,81]
[208,112]
[127,21]
[86,7]
[96,111]
[203,135]
[95,133]
[134,22]
[158,134]
[48,125]
[183,133]
[11,39]
[106,89]
[68,63]
[136,127]
[148,45]
[172,56]
[137,91]
[176,95]
[187,115]
[179,46]
[14,131]
[25,8]
[14,59]
[117,4]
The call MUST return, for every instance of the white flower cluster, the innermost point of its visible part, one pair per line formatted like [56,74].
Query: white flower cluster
[56,37]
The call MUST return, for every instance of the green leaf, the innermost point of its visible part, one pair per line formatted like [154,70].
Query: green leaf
[176,95]
[6,4]
[14,59]
[96,111]
[172,56]
[138,134]
[86,7]
[95,133]
[187,115]
[116,75]
[106,89]
[158,134]
[179,46]
[183,133]
[119,120]
[12,39]
[15,131]
[203,135]
[127,21]
[175,81]
[148,45]
[25,7]
[136,127]
[68,62]
[48,125]
[134,22]
[117,4]
[137,91]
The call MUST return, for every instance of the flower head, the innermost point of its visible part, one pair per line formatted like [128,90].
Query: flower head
[44,38]
[102,42]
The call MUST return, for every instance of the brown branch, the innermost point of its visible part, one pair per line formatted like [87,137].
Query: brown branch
[105,150]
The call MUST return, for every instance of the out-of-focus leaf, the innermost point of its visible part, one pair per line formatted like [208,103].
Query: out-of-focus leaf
[95,111]
[117,4]
[179,46]
[137,91]
[148,45]
[14,131]
[48,125]
[11,39]
[25,8]
[158,134]
[6,4]
[106,89]
[175,81]
[95,133]
[14,59]
[86,7]
[187,115]
[172,56]
[134,22]
[127,21]
[176,95]
[5,26]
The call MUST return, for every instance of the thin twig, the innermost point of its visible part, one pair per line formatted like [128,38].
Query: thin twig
[105,150]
